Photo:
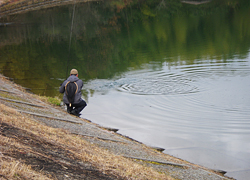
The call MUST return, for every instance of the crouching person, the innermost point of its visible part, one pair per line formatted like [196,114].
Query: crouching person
[72,93]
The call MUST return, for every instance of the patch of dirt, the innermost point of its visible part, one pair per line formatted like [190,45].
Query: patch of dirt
[53,159]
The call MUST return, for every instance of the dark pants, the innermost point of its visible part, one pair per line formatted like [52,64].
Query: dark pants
[76,107]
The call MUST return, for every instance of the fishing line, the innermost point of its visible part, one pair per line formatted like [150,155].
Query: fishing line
[71,29]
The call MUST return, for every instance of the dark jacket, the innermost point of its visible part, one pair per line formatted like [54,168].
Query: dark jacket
[78,94]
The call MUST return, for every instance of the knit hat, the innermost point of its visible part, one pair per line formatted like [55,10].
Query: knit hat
[73,71]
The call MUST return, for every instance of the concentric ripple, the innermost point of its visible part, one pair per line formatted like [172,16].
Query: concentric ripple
[173,80]
[183,79]
[159,84]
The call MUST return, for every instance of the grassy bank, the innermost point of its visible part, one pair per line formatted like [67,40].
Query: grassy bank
[52,100]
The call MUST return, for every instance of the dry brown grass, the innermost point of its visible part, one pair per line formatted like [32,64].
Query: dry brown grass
[13,169]
[101,159]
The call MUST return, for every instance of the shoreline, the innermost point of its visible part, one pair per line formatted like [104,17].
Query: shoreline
[14,96]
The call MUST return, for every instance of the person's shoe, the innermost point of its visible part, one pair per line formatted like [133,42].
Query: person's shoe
[75,113]
[69,109]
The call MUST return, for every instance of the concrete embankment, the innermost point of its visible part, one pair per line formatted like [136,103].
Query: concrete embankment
[11,7]
[14,96]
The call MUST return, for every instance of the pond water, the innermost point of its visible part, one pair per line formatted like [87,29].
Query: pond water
[171,75]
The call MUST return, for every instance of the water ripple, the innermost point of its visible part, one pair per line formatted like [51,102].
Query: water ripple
[181,80]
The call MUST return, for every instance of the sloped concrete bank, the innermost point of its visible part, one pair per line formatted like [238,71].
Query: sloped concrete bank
[22,6]
[14,96]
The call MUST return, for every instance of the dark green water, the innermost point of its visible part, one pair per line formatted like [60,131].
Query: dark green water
[168,74]
[37,50]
